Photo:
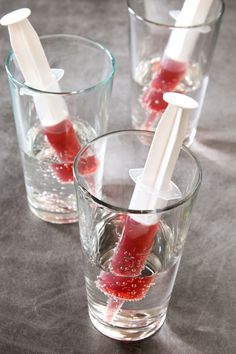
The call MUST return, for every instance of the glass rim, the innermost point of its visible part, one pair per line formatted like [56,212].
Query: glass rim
[66,93]
[133,211]
[164,25]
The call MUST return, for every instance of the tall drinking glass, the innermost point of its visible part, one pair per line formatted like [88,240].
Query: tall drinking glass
[84,70]
[166,56]
[124,303]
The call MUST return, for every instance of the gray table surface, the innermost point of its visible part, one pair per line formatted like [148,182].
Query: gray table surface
[43,305]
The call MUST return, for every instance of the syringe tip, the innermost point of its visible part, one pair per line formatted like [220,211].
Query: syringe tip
[15,16]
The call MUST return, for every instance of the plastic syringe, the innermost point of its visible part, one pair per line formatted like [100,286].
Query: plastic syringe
[135,243]
[176,57]
[51,108]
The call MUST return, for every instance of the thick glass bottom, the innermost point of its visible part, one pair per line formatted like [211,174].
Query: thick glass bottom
[53,217]
[131,332]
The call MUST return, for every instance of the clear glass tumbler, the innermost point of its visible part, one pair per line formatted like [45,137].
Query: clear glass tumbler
[166,56]
[84,70]
[130,264]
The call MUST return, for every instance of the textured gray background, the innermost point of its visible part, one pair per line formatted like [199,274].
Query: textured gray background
[42,298]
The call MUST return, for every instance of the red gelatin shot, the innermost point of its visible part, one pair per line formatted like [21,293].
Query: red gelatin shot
[124,288]
[63,139]
[170,73]
[168,76]
[64,171]
[133,248]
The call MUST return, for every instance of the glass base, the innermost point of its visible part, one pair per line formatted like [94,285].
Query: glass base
[55,218]
[130,333]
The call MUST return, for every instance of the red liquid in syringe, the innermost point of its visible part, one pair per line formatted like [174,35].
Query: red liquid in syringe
[63,139]
[124,288]
[166,77]
[125,280]
[133,248]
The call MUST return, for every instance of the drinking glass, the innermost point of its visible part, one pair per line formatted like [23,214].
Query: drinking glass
[84,70]
[130,264]
[165,56]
